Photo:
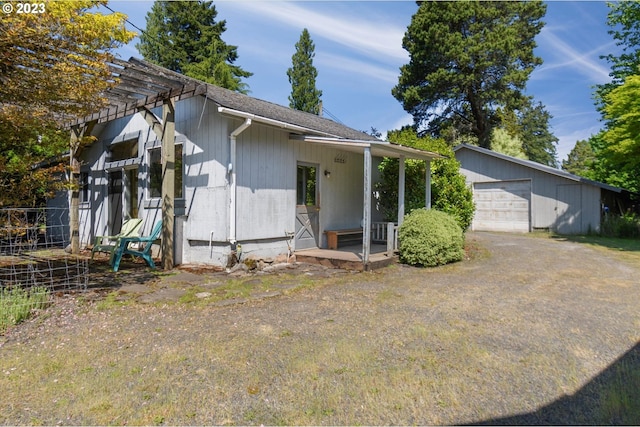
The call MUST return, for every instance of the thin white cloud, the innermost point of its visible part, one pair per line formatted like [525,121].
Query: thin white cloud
[586,63]
[566,141]
[374,39]
[398,123]
[358,68]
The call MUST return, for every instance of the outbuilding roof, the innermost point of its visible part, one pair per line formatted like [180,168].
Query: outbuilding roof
[537,166]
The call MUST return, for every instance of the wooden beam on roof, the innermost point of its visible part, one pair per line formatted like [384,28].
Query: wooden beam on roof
[129,108]
[144,78]
[127,88]
[141,85]
[156,70]
[153,122]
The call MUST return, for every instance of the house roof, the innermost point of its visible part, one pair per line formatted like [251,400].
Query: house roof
[145,85]
[537,166]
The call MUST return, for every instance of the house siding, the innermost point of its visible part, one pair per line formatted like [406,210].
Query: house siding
[266,162]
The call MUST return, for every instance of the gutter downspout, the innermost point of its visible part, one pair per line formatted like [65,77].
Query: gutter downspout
[231,170]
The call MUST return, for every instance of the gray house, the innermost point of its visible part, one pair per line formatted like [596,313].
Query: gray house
[224,171]
[520,195]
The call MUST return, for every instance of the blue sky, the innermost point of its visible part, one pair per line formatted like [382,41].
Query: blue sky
[358,47]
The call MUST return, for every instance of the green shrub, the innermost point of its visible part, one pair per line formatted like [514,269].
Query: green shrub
[17,303]
[449,191]
[626,226]
[430,238]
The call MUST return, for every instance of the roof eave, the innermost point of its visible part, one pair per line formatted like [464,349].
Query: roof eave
[378,148]
[271,122]
[539,166]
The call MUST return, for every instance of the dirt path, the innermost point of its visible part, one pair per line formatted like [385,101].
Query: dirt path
[528,332]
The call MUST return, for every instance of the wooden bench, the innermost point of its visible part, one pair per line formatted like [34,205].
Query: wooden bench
[334,237]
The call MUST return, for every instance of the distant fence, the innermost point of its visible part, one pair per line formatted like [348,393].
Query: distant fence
[32,251]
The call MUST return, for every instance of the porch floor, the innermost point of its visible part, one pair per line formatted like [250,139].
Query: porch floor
[347,257]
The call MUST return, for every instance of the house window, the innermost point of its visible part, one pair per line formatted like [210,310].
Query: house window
[131,193]
[155,172]
[124,150]
[83,183]
[306,185]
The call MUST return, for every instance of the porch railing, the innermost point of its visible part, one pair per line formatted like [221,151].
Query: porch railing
[385,232]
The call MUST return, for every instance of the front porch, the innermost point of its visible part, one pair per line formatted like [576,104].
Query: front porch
[348,257]
[382,251]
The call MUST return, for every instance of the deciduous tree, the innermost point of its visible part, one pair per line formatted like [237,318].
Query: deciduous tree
[624,22]
[622,136]
[54,66]
[502,142]
[617,147]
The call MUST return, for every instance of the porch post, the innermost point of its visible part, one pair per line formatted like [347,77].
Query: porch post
[78,137]
[74,194]
[366,214]
[427,187]
[168,181]
[401,180]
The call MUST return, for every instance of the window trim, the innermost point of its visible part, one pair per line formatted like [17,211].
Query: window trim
[148,164]
[84,187]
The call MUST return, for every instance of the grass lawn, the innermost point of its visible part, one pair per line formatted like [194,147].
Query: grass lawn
[555,342]
[628,249]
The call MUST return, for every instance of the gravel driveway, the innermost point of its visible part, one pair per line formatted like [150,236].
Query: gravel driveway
[526,332]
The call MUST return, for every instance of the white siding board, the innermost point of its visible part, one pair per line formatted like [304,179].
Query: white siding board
[264,199]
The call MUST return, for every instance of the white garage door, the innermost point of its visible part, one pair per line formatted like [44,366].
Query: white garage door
[502,206]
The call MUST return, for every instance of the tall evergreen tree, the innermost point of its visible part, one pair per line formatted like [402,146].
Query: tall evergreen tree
[467,59]
[185,37]
[531,125]
[538,143]
[302,76]
[580,160]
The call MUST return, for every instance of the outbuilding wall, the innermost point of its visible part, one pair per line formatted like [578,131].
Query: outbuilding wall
[557,203]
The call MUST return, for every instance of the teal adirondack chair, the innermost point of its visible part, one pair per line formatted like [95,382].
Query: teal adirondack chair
[108,244]
[144,253]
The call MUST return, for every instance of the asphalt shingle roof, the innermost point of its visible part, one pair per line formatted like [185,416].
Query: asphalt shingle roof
[247,104]
[143,84]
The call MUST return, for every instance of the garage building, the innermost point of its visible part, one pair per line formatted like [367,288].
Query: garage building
[516,195]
